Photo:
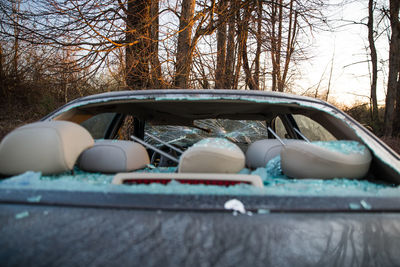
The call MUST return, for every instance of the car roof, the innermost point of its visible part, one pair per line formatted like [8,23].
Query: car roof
[178,104]
[190,94]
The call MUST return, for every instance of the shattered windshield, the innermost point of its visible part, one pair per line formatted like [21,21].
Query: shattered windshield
[241,132]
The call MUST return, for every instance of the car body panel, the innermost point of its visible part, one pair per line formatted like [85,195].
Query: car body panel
[73,236]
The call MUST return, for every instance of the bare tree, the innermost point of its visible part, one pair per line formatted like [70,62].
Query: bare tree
[206,24]
[185,46]
[97,28]
[330,77]
[156,76]
[374,62]
[137,40]
[220,78]
[273,27]
[123,38]
[16,4]
[396,122]
[259,43]
[277,10]
[243,23]
[2,73]
[394,69]
[230,55]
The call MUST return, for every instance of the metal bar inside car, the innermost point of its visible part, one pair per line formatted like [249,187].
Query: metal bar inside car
[163,142]
[155,149]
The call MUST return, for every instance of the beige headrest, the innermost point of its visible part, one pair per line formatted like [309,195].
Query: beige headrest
[112,156]
[49,147]
[260,152]
[305,160]
[212,155]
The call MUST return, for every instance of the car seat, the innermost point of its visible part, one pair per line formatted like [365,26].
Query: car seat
[260,152]
[111,156]
[212,155]
[49,147]
[307,160]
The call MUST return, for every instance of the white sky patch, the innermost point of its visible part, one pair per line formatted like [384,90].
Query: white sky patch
[348,48]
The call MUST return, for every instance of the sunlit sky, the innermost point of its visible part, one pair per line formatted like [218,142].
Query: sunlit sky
[350,82]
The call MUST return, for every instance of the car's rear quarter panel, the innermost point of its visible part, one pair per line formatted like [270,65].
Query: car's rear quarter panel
[34,235]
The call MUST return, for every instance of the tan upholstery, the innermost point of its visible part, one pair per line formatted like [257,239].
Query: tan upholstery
[305,160]
[212,155]
[260,152]
[49,147]
[112,156]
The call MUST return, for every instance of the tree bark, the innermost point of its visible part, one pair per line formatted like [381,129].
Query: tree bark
[184,47]
[239,49]
[276,43]
[220,79]
[138,47]
[328,90]
[230,56]
[16,14]
[2,74]
[156,77]
[259,44]
[291,38]
[282,40]
[279,47]
[244,22]
[396,121]
[394,68]
[374,63]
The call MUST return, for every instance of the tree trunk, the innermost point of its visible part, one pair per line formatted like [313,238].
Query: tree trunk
[396,121]
[156,77]
[244,22]
[374,63]
[328,90]
[239,49]
[279,47]
[230,56]
[394,67]
[259,44]
[16,14]
[291,38]
[184,48]
[138,47]
[2,75]
[276,42]
[220,79]
[282,47]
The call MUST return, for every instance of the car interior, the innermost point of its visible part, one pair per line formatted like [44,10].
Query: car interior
[156,143]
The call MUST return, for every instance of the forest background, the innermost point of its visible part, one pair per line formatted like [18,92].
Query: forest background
[53,51]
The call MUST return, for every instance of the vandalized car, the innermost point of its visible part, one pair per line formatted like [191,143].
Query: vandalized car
[201,178]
